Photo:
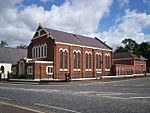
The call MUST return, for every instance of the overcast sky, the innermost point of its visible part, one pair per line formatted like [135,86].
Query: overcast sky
[110,20]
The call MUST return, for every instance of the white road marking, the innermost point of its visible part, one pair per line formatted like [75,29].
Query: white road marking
[101,93]
[92,83]
[112,97]
[118,85]
[138,85]
[35,84]
[139,97]
[35,90]
[5,98]
[113,93]
[124,98]
[83,92]
[55,107]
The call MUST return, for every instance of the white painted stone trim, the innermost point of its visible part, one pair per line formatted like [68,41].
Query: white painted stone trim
[84,78]
[40,62]
[77,69]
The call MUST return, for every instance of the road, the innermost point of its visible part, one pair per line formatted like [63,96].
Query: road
[121,96]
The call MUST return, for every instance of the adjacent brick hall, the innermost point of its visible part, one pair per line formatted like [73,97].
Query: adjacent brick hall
[125,63]
[55,53]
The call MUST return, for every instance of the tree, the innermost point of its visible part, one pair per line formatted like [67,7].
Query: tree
[22,46]
[3,43]
[120,49]
[132,46]
[145,51]
[137,49]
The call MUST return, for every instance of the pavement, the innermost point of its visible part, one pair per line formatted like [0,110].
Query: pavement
[11,108]
[107,96]
[53,81]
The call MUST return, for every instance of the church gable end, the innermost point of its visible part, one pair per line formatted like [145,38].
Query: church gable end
[39,32]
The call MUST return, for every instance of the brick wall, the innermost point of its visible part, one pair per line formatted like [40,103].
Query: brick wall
[43,40]
[122,67]
[83,73]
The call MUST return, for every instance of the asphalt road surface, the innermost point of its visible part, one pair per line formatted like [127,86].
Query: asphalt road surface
[121,96]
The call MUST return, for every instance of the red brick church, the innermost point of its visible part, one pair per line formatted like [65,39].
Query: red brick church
[53,53]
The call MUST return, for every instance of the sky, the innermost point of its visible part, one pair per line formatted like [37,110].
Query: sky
[109,20]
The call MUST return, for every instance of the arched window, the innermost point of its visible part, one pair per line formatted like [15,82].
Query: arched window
[77,55]
[75,59]
[42,51]
[97,61]
[86,60]
[106,61]
[45,50]
[65,60]
[61,59]
[100,61]
[36,51]
[90,61]
[78,60]
[21,68]
[39,49]
[33,52]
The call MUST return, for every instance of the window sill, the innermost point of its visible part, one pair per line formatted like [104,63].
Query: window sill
[29,73]
[98,70]
[49,73]
[107,69]
[88,69]
[77,70]
[63,69]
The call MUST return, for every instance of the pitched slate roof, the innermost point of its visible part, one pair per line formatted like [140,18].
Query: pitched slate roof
[119,55]
[11,55]
[70,38]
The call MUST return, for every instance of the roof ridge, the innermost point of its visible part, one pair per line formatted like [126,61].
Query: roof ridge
[69,33]
[13,48]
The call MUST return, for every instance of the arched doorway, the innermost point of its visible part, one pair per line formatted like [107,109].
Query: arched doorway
[2,69]
[2,75]
[21,68]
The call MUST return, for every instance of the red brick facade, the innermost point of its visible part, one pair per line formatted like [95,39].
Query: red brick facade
[82,73]
[128,66]
[65,64]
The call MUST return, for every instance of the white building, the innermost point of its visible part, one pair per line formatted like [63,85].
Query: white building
[9,56]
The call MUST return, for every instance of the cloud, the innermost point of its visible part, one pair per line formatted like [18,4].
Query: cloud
[131,25]
[147,2]
[45,1]
[8,3]
[123,2]
[18,25]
